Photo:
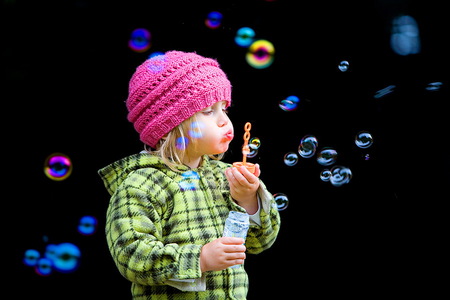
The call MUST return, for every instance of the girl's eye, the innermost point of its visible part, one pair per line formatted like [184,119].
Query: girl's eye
[207,112]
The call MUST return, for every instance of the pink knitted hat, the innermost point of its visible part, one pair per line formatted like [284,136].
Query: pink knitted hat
[167,89]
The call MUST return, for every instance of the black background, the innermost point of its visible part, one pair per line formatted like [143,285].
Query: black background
[66,66]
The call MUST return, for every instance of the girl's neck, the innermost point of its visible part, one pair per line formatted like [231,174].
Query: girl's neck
[192,162]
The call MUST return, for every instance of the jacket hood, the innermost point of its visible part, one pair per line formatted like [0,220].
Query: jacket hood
[114,174]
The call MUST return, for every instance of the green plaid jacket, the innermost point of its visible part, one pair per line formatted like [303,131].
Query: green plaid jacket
[158,220]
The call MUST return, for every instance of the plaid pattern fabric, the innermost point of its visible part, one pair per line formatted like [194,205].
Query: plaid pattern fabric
[158,220]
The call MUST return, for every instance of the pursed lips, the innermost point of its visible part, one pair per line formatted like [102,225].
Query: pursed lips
[229,135]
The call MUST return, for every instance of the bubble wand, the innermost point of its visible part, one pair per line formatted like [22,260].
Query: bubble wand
[246,150]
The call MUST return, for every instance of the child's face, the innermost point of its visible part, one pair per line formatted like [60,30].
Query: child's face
[213,130]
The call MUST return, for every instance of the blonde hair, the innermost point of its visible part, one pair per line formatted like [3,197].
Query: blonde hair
[173,148]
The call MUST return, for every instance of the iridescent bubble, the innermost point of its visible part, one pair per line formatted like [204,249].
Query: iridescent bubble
[244,36]
[308,146]
[195,130]
[57,166]
[50,251]
[157,63]
[340,175]
[405,38]
[281,200]
[31,257]
[182,143]
[325,175]
[139,40]
[67,257]
[343,66]
[253,150]
[363,139]
[260,54]
[87,225]
[327,156]
[44,266]
[434,86]
[189,181]
[290,159]
[255,141]
[290,103]
[384,91]
[213,19]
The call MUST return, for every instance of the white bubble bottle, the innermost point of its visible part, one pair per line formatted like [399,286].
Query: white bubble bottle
[236,225]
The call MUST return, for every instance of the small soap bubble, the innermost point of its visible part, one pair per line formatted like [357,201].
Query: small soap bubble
[260,54]
[308,146]
[290,103]
[363,139]
[139,40]
[434,86]
[189,181]
[66,257]
[181,143]
[44,266]
[87,225]
[327,156]
[252,150]
[290,159]
[340,175]
[343,66]
[244,36]
[157,63]
[195,130]
[31,257]
[281,200]
[213,19]
[57,166]
[256,142]
[325,175]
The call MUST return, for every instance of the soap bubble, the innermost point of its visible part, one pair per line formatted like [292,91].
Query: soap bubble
[260,54]
[157,63]
[87,225]
[66,257]
[290,159]
[281,200]
[213,19]
[195,130]
[58,166]
[255,141]
[181,143]
[363,139]
[325,175]
[189,181]
[44,266]
[343,66]
[252,150]
[139,40]
[340,175]
[327,156]
[308,146]
[244,36]
[31,257]
[290,103]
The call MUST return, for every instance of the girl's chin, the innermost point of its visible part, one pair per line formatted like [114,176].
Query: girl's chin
[221,148]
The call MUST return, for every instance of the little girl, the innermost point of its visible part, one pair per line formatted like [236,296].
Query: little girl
[169,202]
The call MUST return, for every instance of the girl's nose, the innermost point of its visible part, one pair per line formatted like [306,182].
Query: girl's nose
[223,120]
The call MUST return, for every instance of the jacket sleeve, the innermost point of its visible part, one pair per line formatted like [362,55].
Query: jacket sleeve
[134,235]
[261,237]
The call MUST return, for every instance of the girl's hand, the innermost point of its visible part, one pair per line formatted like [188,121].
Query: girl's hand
[222,253]
[243,187]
